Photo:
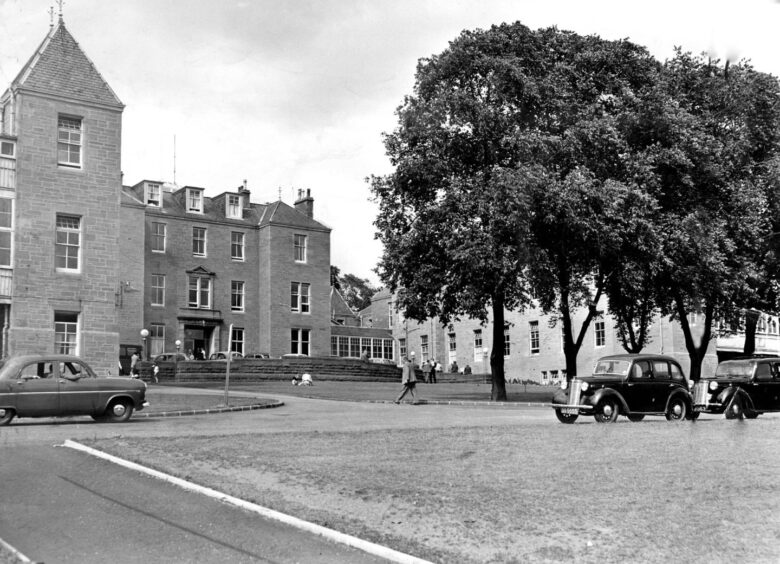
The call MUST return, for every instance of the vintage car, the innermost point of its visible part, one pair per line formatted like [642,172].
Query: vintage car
[740,388]
[60,385]
[223,355]
[634,385]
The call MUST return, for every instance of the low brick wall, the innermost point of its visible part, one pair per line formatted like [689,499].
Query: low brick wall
[258,369]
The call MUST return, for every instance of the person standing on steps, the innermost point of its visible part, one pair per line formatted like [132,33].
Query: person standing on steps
[408,379]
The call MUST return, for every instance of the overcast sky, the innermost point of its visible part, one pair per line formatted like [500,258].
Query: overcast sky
[296,94]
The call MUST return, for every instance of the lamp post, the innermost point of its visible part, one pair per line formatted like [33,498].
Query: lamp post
[144,335]
[176,362]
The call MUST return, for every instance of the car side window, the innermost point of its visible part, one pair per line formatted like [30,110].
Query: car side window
[661,370]
[763,373]
[36,370]
[72,369]
[676,372]
[641,370]
[776,370]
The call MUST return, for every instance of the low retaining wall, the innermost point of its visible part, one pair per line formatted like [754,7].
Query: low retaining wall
[258,369]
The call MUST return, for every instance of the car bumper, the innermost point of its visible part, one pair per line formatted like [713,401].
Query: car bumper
[570,409]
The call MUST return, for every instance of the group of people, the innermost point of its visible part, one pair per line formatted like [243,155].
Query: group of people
[430,371]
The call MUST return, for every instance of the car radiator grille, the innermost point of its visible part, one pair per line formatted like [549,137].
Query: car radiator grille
[574,392]
[700,393]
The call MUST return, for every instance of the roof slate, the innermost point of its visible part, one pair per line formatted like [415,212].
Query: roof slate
[61,68]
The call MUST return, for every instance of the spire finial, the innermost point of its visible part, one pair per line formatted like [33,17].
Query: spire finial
[60,3]
[51,16]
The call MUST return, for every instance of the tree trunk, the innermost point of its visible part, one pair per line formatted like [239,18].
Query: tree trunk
[498,391]
[751,322]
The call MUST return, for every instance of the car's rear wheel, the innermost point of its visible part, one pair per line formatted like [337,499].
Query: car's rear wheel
[607,411]
[636,417]
[677,409]
[735,410]
[6,415]
[119,411]
[567,418]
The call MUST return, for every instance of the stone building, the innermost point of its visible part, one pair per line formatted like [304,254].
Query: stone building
[60,183]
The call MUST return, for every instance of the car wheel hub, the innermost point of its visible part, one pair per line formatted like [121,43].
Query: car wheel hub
[2,412]
[119,410]
[607,410]
[677,410]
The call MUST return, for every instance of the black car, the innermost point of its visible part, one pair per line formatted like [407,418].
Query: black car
[740,388]
[634,385]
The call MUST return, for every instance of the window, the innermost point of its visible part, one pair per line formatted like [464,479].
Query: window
[533,333]
[478,339]
[236,296]
[233,206]
[158,289]
[299,341]
[334,345]
[299,248]
[154,195]
[158,237]
[402,347]
[344,346]
[67,242]
[600,332]
[376,349]
[237,246]
[390,315]
[156,339]
[194,200]
[237,340]
[69,141]
[423,348]
[387,349]
[299,297]
[199,241]
[354,347]
[200,292]
[452,342]
[6,232]
[66,333]
[7,149]
[507,346]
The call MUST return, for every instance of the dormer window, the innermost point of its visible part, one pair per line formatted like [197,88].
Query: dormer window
[154,195]
[194,200]
[233,203]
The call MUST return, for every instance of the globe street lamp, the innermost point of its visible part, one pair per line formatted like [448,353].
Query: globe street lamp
[176,362]
[144,335]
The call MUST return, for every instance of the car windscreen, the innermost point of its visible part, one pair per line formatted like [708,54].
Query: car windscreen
[734,370]
[611,368]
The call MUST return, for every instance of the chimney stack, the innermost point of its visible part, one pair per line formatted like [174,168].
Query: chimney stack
[305,204]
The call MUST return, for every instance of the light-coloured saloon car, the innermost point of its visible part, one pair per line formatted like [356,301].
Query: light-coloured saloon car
[61,385]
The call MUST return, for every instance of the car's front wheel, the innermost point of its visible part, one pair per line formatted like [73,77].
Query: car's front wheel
[735,409]
[607,411]
[6,415]
[567,418]
[119,411]
[677,409]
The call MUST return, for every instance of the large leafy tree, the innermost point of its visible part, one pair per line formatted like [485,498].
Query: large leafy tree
[715,132]
[512,174]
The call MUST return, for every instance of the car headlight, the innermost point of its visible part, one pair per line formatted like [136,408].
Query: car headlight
[584,387]
[713,385]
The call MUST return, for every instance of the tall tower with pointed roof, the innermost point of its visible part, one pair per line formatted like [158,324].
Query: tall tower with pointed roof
[60,186]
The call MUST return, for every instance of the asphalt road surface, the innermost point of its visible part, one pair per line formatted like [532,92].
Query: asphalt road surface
[61,505]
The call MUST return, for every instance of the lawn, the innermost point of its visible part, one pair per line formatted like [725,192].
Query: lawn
[533,492]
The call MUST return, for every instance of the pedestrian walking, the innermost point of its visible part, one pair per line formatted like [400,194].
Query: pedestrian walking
[408,379]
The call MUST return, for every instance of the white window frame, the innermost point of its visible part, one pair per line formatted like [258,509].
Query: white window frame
[157,290]
[66,332]
[199,241]
[234,206]
[300,341]
[156,339]
[153,195]
[194,198]
[507,342]
[300,247]
[237,340]
[157,236]
[7,231]
[70,141]
[202,286]
[300,297]
[237,245]
[72,243]
[533,337]
[237,296]
[599,334]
